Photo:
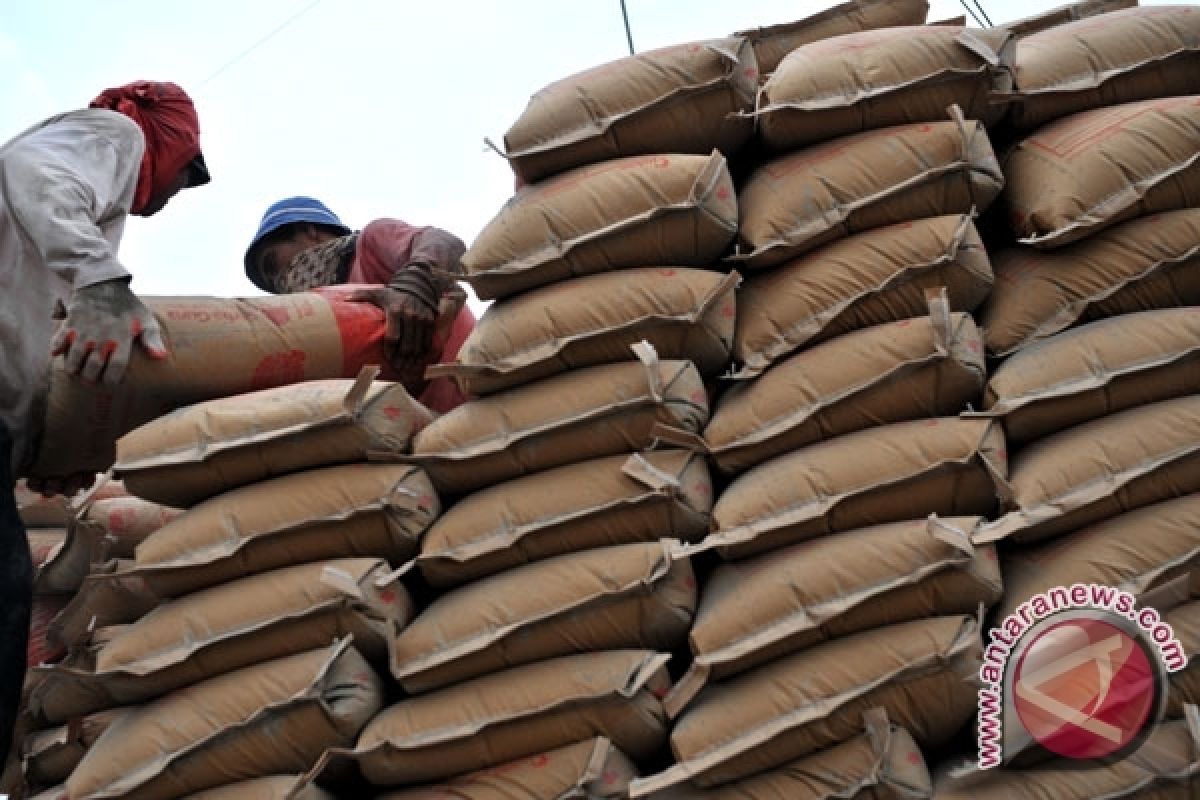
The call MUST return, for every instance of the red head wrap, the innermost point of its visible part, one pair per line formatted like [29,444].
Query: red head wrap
[168,120]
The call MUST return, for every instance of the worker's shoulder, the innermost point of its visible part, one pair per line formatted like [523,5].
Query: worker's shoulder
[78,128]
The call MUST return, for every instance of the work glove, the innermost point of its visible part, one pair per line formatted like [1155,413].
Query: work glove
[99,327]
[67,487]
[410,305]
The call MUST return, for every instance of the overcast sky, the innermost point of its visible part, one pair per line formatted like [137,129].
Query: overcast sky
[378,107]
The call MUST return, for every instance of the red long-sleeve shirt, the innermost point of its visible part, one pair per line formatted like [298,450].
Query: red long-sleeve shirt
[386,246]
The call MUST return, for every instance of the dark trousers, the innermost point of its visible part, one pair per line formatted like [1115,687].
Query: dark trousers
[16,598]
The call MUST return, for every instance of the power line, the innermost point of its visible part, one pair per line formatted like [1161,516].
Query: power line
[971,11]
[986,18]
[628,34]
[264,40]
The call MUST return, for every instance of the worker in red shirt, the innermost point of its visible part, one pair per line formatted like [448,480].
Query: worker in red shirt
[301,245]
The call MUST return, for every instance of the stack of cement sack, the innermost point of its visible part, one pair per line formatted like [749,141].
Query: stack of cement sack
[1094,312]
[273,598]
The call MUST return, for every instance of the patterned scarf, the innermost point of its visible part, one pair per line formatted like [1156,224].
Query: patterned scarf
[325,264]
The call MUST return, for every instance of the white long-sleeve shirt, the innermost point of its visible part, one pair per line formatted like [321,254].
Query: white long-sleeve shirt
[66,187]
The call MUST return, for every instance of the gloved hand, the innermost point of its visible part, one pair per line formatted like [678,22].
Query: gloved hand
[67,487]
[100,324]
[410,304]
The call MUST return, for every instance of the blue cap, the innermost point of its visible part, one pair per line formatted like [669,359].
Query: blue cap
[286,212]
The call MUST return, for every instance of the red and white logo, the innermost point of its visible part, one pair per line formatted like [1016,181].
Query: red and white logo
[1085,688]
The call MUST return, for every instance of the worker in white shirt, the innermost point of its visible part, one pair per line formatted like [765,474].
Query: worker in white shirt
[67,185]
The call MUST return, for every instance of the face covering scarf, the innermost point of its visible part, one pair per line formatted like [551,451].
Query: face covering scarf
[325,264]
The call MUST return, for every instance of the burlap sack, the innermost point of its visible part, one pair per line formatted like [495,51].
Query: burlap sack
[517,713]
[903,471]
[612,598]
[686,314]
[1096,369]
[272,718]
[911,369]
[576,416]
[773,43]
[1064,14]
[227,627]
[864,280]
[48,757]
[880,78]
[1099,469]
[1137,551]
[1163,768]
[658,209]
[274,787]
[761,609]
[1184,686]
[604,502]
[679,99]
[591,769]
[803,200]
[1119,57]
[919,672]
[209,448]
[882,764]
[370,510]
[1138,266]
[1091,170]
[218,348]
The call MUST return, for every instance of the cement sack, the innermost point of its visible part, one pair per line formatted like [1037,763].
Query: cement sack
[592,769]
[1114,58]
[1141,265]
[761,609]
[882,764]
[880,78]
[234,625]
[921,673]
[1184,686]
[679,99]
[907,470]
[105,599]
[258,343]
[576,416]
[771,44]
[48,757]
[517,713]
[58,560]
[357,510]
[867,180]
[1096,369]
[1136,552]
[41,647]
[272,718]
[604,502]
[1091,170]
[634,596]
[657,209]
[911,369]
[120,524]
[863,280]
[686,314]
[1165,767]
[205,449]
[273,787]
[1097,470]
[1064,14]
[37,511]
